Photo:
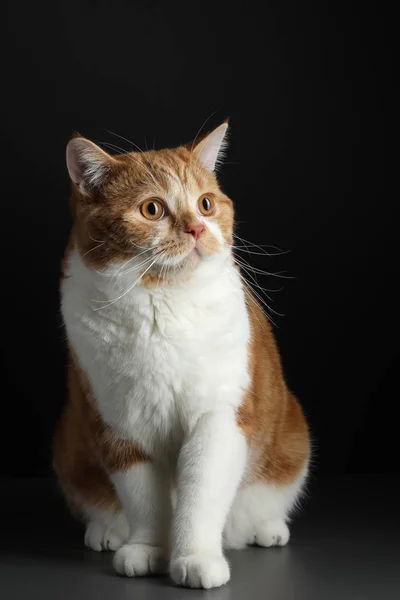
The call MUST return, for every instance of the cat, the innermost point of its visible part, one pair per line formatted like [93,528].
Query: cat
[179,437]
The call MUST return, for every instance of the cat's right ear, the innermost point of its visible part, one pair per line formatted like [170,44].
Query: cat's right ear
[88,165]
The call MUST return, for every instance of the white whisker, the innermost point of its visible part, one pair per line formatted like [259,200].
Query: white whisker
[279,274]
[258,296]
[97,241]
[140,150]
[129,261]
[91,250]
[118,272]
[107,303]
[260,246]
[263,302]
[113,147]
[145,169]
[250,272]
[137,246]
[201,129]
[130,270]
[125,139]
[247,293]
[250,296]
[198,133]
[246,249]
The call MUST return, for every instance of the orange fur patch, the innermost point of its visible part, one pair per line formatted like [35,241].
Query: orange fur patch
[270,415]
[86,450]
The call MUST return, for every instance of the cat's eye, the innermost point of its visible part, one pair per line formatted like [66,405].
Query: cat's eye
[152,209]
[206,204]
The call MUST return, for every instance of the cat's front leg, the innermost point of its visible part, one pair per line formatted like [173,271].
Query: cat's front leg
[145,496]
[210,467]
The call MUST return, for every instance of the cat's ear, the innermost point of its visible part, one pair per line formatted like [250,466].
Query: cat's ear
[210,149]
[88,165]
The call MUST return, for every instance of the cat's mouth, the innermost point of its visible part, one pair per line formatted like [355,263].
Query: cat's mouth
[180,257]
[195,250]
[197,253]
[194,253]
[190,257]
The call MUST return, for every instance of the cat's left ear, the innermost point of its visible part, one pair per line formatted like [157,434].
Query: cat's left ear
[88,165]
[210,149]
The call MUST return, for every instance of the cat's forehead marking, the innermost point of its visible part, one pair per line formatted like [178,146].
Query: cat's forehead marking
[182,187]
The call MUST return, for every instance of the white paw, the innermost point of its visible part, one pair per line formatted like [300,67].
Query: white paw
[135,560]
[101,536]
[272,533]
[200,571]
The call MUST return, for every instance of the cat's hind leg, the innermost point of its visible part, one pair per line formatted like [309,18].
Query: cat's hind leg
[273,484]
[86,485]
[260,514]
[105,530]
[98,507]
[93,500]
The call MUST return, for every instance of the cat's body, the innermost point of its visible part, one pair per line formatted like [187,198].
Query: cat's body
[179,434]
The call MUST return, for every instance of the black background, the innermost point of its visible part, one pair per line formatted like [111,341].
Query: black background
[307,87]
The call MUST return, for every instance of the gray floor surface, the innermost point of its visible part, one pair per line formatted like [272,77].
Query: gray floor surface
[344,546]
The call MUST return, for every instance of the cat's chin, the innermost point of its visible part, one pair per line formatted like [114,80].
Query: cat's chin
[195,252]
[192,259]
[183,266]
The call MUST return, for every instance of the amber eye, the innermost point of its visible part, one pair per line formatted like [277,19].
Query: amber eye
[152,209]
[206,204]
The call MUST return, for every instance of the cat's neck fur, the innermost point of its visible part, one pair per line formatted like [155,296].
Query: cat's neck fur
[122,285]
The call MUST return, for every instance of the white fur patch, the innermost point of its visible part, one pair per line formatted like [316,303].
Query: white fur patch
[159,358]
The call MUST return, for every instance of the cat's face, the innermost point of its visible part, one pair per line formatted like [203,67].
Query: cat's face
[164,207]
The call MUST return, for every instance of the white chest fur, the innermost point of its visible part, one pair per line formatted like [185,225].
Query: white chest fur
[159,358]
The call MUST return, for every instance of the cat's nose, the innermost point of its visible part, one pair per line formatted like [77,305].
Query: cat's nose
[196,230]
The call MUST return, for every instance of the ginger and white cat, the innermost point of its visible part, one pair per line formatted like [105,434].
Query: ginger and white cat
[179,437]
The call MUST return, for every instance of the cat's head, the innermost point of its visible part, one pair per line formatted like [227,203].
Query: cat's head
[164,205]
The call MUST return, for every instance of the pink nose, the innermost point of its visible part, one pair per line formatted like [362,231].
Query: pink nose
[196,230]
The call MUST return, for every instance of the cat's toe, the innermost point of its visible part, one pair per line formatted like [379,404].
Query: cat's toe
[100,536]
[112,540]
[200,571]
[272,533]
[94,536]
[136,560]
